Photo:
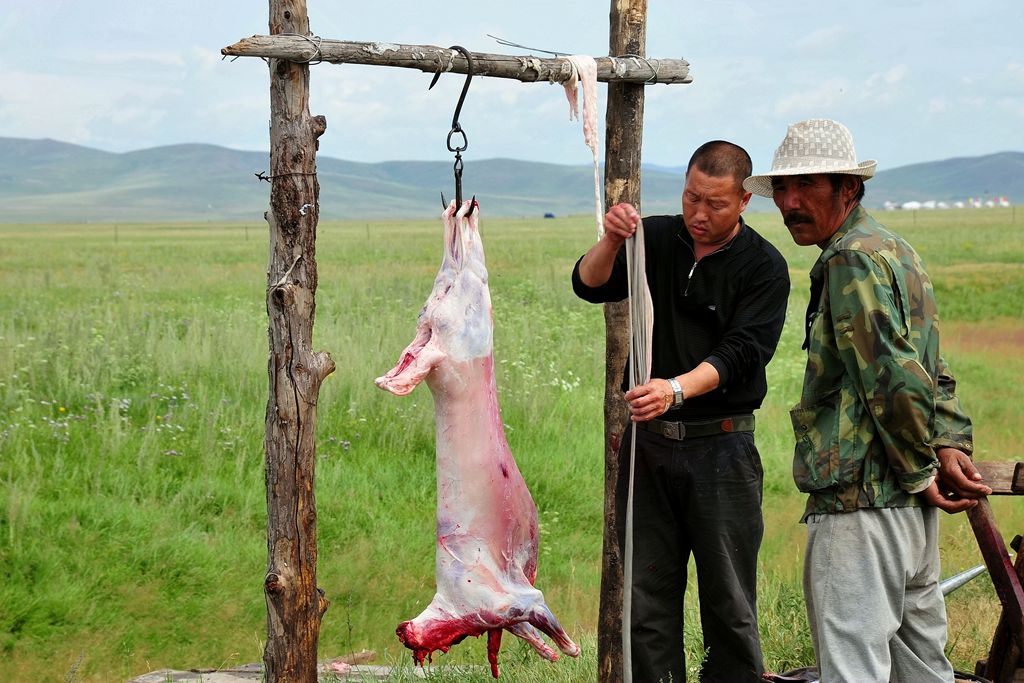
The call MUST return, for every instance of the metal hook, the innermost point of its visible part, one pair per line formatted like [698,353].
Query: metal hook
[444,204]
[470,67]
[456,126]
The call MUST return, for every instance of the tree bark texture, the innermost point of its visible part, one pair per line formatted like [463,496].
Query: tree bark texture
[432,59]
[294,603]
[623,140]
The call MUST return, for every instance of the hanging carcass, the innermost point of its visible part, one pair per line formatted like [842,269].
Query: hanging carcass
[487,533]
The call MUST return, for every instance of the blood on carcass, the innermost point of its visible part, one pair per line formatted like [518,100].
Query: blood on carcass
[487,532]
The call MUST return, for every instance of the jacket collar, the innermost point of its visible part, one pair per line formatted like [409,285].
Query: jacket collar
[858,216]
[739,241]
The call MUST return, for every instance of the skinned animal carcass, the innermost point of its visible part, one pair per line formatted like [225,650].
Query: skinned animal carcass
[487,534]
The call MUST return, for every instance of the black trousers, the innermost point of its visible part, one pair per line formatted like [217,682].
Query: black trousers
[699,496]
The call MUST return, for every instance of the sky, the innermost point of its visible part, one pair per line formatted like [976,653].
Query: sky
[915,81]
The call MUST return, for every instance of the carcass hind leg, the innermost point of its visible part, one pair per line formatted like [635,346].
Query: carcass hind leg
[532,636]
[542,618]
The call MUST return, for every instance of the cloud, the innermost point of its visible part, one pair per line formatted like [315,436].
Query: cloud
[168,60]
[205,59]
[886,88]
[826,96]
[97,109]
[822,39]
[892,76]
[1015,72]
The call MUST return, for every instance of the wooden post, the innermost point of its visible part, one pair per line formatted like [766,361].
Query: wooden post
[294,603]
[623,139]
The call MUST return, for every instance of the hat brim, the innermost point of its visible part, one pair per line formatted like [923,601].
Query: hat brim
[762,184]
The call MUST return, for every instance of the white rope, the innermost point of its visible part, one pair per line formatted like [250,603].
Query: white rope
[641,322]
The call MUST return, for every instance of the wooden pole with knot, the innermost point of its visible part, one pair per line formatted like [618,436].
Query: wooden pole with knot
[295,604]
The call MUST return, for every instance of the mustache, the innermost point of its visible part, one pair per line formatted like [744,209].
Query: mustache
[796,217]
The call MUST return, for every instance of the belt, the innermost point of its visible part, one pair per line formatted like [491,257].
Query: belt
[678,431]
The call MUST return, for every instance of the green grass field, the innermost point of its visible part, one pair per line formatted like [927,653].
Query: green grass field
[133,387]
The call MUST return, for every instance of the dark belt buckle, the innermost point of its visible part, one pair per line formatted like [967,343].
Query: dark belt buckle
[674,430]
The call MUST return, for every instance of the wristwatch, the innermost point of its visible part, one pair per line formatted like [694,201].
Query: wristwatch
[677,393]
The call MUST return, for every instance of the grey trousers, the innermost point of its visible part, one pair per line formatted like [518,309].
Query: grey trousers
[699,496]
[871,583]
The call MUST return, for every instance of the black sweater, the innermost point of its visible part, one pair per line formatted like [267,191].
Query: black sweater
[728,310]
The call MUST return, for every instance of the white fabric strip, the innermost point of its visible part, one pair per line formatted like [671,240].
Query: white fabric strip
[585,70]
[641,325]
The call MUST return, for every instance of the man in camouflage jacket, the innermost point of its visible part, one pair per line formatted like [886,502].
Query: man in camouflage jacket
[878,400]
[882,440]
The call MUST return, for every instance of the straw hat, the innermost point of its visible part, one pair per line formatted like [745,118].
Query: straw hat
[812,146]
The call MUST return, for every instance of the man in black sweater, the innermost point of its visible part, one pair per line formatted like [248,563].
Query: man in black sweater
[719,293]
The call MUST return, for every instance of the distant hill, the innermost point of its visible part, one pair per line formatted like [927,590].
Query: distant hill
[45,181]
[993,175]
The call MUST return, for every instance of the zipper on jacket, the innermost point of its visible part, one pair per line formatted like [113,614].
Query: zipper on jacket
[689,276]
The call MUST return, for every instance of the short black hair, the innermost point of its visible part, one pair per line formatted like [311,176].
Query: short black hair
[719,158]
[837,182]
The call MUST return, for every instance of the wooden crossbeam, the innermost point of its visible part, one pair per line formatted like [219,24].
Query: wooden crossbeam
[433,59]
[1005,478]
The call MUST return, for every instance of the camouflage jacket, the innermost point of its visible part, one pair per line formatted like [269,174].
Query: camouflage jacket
[877,398]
